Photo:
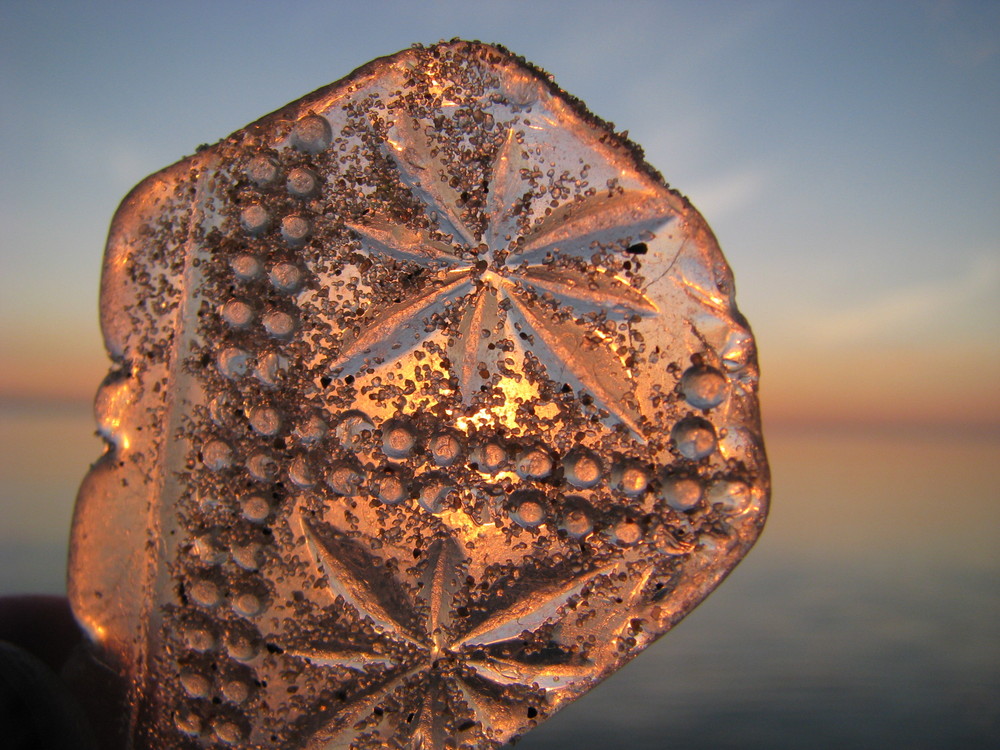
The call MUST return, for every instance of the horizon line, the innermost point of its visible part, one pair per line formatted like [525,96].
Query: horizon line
[987,426]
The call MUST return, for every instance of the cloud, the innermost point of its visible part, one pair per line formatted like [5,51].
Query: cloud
[720,197]
[931,305]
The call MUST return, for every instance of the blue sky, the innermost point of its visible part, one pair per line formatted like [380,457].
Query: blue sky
[845,153]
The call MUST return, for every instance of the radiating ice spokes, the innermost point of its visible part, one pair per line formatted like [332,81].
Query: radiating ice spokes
[498,270]
[447,662]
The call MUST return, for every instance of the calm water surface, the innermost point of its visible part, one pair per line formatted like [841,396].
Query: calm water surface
[868,616]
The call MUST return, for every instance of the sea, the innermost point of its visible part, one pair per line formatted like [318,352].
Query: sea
[867,616]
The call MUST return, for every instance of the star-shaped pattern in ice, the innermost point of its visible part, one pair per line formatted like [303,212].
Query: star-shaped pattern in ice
[505,264]
[438,667]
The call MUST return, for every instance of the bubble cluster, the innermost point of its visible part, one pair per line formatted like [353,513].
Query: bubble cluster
[528,509]
[534,463]
[583,469]
[398,439]
[391,488]
[233,362]
[265,420]
[344,479]
[245,267]
[217,455]
[703,387]
[295,230]
[286,277]
[446,448]
[577,520]
[631,478]
[312,134]
[681,493]
[237,313]
[255,219]
[694,438]
[302,183]
[262,170]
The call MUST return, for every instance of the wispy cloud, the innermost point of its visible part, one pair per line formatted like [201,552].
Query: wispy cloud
[724,195]
[935,304]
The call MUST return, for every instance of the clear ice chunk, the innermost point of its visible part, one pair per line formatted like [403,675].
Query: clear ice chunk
[430,408]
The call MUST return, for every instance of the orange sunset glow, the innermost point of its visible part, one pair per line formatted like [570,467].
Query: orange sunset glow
[845,156]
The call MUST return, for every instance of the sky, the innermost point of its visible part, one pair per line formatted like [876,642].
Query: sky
[847,156]
[845,153]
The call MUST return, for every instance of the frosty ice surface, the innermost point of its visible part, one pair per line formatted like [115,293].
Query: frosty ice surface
[430,407]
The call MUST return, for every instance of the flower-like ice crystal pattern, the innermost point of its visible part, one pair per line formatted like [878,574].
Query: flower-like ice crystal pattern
[447,673]
[482,268]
